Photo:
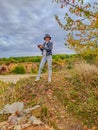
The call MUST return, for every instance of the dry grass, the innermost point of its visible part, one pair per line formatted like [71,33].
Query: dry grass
[67,100]
[85,71]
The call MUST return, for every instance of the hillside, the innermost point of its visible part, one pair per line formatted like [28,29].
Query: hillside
[22,65]
[69,102]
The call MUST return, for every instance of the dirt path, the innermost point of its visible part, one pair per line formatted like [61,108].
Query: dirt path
[14,78]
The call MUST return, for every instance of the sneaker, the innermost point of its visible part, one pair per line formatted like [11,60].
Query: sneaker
[37,79]
[49,80]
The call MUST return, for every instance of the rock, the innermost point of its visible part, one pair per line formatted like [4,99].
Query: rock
[32,118]
[21,120]
[35,121]
[17,119]
[17,127]
[31,109]
[13,120]
[17,106]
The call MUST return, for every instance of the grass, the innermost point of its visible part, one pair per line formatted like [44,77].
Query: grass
[86,72]
[71,98]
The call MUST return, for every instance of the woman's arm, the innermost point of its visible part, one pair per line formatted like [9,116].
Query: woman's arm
[48,48]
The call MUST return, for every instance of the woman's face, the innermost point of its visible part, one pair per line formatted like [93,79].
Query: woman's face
[47,39]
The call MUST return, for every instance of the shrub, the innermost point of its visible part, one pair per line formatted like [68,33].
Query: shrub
[36,59]
[19,70]
[90,55]
[33,70]
[85,71]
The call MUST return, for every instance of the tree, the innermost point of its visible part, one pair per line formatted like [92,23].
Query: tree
[81,24]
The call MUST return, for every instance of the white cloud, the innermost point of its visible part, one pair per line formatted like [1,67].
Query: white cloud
[23,24]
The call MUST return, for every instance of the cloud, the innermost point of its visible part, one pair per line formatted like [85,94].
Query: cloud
[23,24]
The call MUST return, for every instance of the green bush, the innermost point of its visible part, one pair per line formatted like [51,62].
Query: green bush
[33,70]
[36,59]
[19,70]
[90,55]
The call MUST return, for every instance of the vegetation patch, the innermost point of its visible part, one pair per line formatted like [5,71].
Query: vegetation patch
[19,70]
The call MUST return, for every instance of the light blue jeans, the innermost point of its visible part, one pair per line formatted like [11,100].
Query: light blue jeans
[42,63]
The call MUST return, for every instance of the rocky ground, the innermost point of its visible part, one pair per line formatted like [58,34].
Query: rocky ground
[21,119]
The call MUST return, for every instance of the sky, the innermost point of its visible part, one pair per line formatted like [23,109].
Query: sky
[23,24]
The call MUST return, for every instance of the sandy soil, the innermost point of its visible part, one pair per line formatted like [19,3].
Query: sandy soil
[14,78]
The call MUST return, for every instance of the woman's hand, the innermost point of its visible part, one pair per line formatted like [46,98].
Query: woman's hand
[40,46]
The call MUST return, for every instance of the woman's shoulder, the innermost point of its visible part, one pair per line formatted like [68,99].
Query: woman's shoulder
[51,42]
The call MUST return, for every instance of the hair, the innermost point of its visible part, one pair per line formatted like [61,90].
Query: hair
[47,37]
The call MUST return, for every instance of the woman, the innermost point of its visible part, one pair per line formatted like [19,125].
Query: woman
[46,49]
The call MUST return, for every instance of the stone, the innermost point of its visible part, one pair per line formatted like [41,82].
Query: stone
[17,127]
[37,122]
[32,118]
[9,109]
[21,120]
[27,111]
[13,120]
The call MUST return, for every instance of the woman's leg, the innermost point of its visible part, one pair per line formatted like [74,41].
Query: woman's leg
[41,67]
[49,60]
